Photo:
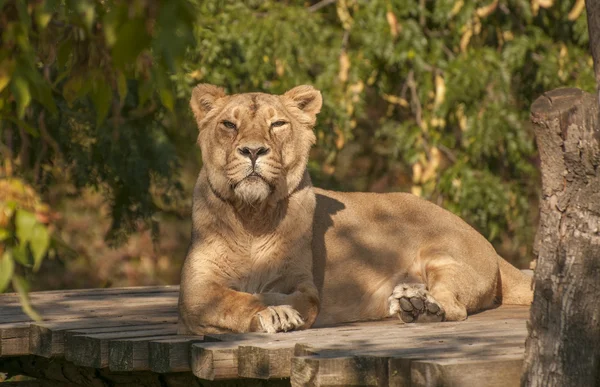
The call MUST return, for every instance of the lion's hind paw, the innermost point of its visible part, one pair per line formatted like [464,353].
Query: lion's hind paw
[280,318]
[413,303]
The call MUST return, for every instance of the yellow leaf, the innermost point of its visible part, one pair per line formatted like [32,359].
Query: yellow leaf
[279,67]
[395,100]
[339,140]
[417,171]
[344,67]
[432,165]
[546,3]
[487,9]
[344,14]
[576,10]
[466,37]
[393,23]
[456,8]
[416,190]
[440,91]
[462,119]
[196,74]
[535,7]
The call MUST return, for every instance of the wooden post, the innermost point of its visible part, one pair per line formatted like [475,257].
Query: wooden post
[563,346]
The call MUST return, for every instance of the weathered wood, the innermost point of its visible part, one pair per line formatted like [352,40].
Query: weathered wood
[91,350]
[563,346]
[128,332]
[172,355]
[90,308]
[47,338]
[215,361]
[498,371]
[267,361]
[593,19]
[59,372]
[319,370]
[79,306]
[131,354]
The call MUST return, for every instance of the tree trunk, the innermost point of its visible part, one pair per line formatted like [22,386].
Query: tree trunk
[563,346]
[593,18]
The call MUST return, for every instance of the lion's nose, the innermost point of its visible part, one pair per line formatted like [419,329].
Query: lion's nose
[253,153]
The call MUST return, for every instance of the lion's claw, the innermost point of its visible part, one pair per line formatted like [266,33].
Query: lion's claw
[281,318]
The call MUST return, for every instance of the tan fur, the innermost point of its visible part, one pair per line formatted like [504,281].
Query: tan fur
[271,253]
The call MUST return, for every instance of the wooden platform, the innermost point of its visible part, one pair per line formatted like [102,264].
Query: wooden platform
[134,330]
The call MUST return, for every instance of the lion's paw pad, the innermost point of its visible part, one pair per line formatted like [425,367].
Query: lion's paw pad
[413,303]
[281,318]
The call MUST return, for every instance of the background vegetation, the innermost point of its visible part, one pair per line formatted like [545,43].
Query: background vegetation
[425,96]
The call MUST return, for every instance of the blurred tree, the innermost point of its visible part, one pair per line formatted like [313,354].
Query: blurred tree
[85,96]
[426,96]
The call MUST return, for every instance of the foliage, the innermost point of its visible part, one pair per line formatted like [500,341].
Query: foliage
[24,236]
[426,96]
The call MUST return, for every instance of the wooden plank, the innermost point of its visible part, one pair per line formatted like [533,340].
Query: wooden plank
[215,360]
[58,309]
[265,361]
[317,370]
[172,355]
[14,337]
[498,371]
[14,340]
[6,298]
[131,354]
[47,339]
[269,356]
[91,350]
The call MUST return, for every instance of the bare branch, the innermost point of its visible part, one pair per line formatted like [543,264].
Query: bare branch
[320,4]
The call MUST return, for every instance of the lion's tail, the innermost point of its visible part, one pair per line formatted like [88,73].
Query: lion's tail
[515,286]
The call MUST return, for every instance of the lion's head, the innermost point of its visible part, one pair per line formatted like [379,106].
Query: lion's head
[255,146]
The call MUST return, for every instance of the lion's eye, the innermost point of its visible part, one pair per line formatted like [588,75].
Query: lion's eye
[229,124]
[277,124]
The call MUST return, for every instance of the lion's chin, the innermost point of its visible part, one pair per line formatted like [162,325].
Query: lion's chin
[252,190]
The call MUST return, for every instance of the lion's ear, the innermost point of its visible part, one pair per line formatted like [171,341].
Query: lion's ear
[203,99]
[306,98]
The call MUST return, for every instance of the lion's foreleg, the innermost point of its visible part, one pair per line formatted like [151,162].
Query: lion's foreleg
[305,299]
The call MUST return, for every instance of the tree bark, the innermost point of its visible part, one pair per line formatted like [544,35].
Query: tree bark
[593,18]
[563,346]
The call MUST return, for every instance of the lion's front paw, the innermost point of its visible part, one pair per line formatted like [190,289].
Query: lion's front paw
[413,303]
[281,318]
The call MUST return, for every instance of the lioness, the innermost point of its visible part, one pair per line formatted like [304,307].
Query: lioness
[271,253]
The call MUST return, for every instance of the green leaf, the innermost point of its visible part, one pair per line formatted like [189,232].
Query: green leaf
[6,70]
[4,234]
[24,125]
[132,38]
[23,14]
[21,254]
[21,286]
[64,52]
[101,96]
[166,97]
[145,91]
[43,95]
[7,268]
[121,86]
[24,222]
[20,89]
[75,88]
[42,17]
[40,240]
